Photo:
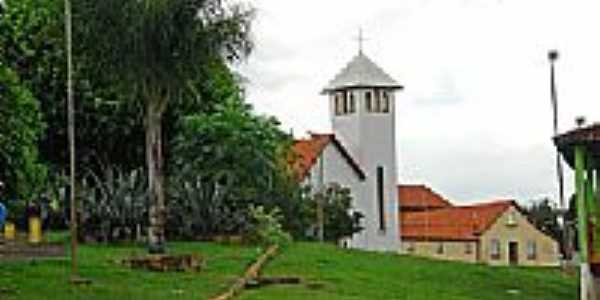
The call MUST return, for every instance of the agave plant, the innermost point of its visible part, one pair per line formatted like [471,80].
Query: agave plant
[114,205]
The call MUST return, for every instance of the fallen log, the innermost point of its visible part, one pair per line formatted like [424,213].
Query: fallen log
[251,274]
[262,281]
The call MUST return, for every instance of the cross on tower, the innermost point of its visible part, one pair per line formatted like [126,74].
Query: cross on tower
[361,39]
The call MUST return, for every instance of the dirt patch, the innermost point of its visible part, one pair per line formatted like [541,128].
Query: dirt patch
[166,263]
[14,250]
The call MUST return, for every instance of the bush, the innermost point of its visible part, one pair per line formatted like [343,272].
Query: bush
[21,126]
[200,208]
[340,220]
[266,227]
[114,205]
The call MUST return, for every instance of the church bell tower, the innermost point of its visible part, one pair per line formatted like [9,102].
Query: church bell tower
[362,103]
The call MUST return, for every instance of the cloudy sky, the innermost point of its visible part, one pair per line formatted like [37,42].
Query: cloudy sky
[474,121]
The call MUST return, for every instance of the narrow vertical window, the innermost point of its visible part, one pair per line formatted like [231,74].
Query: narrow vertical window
[495,249]
[531,250]
[339,104]
[380,202]
[377,102]
[352,106]
[344,103]
[368,101]
[385,102]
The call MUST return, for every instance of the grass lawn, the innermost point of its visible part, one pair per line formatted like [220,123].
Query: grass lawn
[331,273]
[47,279]
[359,275]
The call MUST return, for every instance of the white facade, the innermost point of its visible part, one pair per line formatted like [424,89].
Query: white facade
[332,168]
[362,99]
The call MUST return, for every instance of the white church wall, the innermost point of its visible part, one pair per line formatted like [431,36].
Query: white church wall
[337,170]
[378,148]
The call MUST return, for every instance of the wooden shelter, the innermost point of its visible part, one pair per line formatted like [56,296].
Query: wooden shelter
[580,148]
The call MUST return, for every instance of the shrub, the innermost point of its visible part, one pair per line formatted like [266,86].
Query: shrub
[114,205]
[266,227]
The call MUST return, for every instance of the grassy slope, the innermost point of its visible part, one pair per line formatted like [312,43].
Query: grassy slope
[359,275]
[48,279]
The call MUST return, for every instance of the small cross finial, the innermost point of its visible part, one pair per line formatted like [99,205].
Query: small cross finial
[361,40]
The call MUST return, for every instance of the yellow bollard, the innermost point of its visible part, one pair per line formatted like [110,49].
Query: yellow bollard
[9,231]
[35,230]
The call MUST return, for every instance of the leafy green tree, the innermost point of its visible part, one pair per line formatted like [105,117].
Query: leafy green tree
[153,49]
[20,128]
[339,220]
[224,162]
[544,216]
[109,130]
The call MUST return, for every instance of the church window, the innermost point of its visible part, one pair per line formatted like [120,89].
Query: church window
[369,101]
[340,104]
[343,103]
[385,102]
[377,102]
[380,202]
[351,103]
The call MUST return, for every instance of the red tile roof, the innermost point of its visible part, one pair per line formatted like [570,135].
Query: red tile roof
[456,223]
[307,151]
[419,197]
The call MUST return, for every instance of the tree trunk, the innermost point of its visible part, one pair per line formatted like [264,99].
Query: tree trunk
[154,160]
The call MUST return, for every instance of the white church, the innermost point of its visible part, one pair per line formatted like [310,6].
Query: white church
[360,154]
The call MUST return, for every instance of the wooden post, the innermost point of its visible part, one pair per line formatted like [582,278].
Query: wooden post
[591,203]
[582,220]
[321,202]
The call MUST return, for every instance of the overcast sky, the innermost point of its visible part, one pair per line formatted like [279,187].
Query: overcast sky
[474,121]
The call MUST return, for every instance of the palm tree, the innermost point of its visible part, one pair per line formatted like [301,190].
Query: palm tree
[152,50]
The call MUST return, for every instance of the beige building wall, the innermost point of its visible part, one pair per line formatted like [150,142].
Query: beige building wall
[512,226]
[446,250]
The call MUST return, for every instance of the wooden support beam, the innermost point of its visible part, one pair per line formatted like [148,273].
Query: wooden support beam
[586,280]
[582,226]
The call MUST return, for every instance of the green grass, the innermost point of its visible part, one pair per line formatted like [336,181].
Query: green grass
[48,279]
[331,273]
[347,275]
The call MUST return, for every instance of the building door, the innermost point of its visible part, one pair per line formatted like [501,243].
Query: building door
[513,253]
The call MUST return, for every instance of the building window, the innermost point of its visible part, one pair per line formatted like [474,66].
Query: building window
[411,247]
[440,248]
[468,248]
[369,101]
[338,104]
[511,219]
[377,102]
[495,249]
[351,103]
[380,202]
[385,102]
[531,250]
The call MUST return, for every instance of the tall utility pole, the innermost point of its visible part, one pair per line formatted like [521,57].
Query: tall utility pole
[71,130]
[553,57]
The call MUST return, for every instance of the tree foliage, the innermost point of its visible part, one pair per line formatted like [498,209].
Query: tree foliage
[108,130]
[544,216]
[154,49]
[20,128]
[223,163]
[339,221]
